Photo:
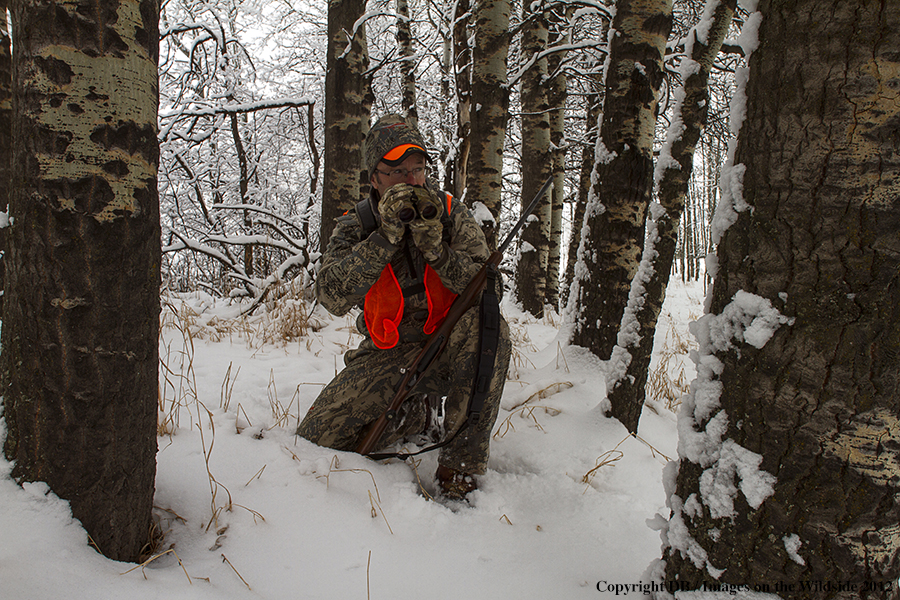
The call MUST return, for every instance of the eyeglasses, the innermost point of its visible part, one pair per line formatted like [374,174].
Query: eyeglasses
[398,174]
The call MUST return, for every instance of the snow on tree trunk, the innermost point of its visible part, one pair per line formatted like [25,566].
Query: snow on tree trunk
[593,112]
[81,310]
[613,231]
[789,441]
[490,105]
[630,361]
[534,251]
[346,112]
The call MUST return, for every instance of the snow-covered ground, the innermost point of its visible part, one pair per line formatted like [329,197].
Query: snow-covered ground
[251,511]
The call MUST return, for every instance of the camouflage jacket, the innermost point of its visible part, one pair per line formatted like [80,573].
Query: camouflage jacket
[353,263]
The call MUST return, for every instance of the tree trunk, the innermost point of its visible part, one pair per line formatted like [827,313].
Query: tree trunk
[407,64]
[5,126]
[624,168]
[631,357]
[593,110]
[461,69]
[81,317]
[811,259]
[534,246]
[346,113]
[490,103]
[556,99]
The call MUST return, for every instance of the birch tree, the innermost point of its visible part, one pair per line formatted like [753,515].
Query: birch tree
[631,357]
[534,248]
[557,93]
[490,104]
[613,230]
[408,65]
[593,109]
[462,77]
[789,449]
[347,109]
[81,309]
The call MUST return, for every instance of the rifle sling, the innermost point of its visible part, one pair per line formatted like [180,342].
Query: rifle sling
[489,342]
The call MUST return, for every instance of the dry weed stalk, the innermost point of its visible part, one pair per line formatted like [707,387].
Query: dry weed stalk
[414,463]
[526,409]
[525,412]
[661,385]
[228,387]
[560,353]
[609,457]
[374,501]
[280,414]
[553,388]
[154,557]
[215,484]
[183,383]
[375,512]
[257,476]
[237,415]
[225,560]
[368,564]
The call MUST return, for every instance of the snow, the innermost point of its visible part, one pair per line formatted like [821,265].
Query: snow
[482,214]
[251,511]
[717,483]
[792,544]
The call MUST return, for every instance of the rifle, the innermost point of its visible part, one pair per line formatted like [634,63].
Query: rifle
[436,343]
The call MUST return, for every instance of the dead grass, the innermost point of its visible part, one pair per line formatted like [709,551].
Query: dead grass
[668,381]
[285,320]
[527,408]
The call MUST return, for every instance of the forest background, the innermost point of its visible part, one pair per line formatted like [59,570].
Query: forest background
[633,108]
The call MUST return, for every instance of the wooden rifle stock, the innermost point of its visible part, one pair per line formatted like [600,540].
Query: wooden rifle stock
[438,340]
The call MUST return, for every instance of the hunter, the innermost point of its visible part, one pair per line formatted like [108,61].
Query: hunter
[402,255]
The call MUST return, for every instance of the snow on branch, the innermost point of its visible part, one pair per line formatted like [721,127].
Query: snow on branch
[198,110]
[601,45]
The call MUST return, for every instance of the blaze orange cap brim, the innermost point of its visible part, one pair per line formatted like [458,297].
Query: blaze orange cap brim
[400,153]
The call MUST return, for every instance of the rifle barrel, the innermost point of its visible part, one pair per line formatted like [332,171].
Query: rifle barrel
[524,217]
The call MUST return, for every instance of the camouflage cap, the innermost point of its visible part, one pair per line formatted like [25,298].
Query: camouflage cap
[390,132]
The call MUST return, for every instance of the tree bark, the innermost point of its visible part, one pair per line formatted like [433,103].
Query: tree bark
[462,69]
[813,204]
[537,164]
[346,113]
[408,65]
[5,126]
[81,317]
[593,110]
[556,99]
[631,356]
[624,168]
[490,104]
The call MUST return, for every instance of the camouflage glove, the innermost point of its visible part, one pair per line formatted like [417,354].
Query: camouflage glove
[396,209]
[427,229]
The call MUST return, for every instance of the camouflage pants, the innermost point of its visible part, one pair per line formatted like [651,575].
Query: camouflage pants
[360,393]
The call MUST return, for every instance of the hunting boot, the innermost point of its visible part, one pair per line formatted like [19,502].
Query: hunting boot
[454,485]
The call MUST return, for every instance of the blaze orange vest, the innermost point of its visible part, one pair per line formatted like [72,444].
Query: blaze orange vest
[383,309]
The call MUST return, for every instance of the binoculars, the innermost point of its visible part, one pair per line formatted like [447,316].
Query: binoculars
[425,207]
